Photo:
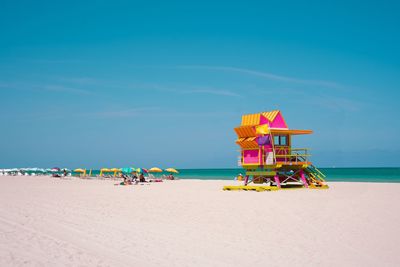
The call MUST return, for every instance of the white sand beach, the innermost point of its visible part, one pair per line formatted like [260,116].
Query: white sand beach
[59,222]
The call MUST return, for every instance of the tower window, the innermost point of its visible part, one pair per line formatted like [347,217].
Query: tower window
[276,140]
[281,140]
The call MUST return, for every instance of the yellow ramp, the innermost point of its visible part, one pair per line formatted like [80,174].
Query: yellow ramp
[257,188]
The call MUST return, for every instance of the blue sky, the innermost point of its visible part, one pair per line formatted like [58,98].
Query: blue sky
[163,83]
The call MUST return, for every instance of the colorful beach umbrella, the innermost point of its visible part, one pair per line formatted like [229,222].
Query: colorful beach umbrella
[115,170]
[126,170]
[171,170]
[79,170]
[155,169]
[103,170]
[140,170]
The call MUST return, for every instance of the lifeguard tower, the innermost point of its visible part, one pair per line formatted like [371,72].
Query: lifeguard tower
[267,155]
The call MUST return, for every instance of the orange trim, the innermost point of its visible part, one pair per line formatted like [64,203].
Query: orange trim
[249,142]
[292,132]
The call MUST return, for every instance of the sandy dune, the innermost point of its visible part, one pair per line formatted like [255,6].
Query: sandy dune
[55,222]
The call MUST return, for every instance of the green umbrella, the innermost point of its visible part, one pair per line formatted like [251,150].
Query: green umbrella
[126,170]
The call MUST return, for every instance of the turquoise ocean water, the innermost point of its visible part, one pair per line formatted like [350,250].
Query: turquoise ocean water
[386,175]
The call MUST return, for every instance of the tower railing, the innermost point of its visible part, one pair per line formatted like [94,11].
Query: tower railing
[294,155]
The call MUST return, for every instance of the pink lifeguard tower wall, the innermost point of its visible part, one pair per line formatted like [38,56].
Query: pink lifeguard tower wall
[250,156]
[263,120]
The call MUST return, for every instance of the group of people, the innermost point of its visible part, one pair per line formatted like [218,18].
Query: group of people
[170,177]
[134,179]
[64,173]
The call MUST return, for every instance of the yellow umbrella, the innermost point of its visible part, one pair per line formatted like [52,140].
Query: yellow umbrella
[155,169]
[171,170]
[103,170]
[81,171]
[115,170]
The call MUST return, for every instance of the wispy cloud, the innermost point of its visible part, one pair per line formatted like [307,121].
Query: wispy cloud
[45,87]
[152,112]
[121,113]
[266,75]
[171,88]
[336,103]
[7,85]
[65,89]
[142,112]
[188,89]
[327,101]
[56,61]
[80,80]
[212,92]
[65,112]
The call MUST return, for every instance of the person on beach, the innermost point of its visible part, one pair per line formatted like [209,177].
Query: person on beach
[141,178]
[127,180]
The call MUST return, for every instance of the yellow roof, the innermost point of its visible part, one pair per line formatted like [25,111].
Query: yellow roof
[245,131]
[270,115]
[251,119]
[254,119]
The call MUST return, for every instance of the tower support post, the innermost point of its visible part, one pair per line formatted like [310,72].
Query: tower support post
[278,183]
[303,178]
[246,180]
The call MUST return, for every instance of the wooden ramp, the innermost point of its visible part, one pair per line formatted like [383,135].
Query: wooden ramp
[258,188]
[324,186]
[261,188]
